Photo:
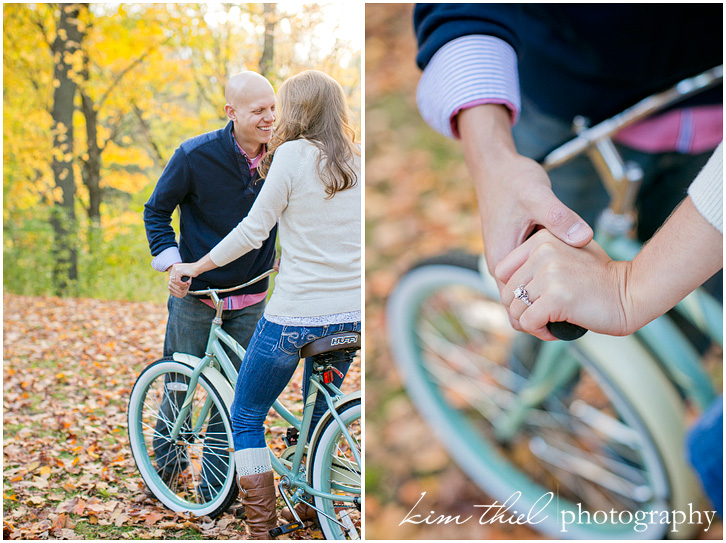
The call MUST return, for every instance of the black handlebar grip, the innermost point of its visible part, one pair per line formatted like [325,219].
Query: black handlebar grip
[566,331]
[184,278]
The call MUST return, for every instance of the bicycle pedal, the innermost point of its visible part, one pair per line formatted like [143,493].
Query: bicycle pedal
[286,529]
[291,437]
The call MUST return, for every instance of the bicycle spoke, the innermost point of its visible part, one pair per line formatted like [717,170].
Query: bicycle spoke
[155,432]
[160,416]
[489,400]
[475,364]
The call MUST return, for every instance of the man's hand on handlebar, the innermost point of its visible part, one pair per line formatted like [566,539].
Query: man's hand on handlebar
[179,274]
[180,279]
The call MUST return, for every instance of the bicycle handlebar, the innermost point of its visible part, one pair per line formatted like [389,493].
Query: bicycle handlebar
[566,331]
[230,289]
[607,128]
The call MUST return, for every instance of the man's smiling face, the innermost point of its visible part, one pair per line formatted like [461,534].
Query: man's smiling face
[253,114]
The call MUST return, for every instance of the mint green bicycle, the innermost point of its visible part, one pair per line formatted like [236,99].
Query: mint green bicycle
[181,433]
[597,423]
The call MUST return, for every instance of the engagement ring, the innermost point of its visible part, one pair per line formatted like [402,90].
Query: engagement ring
[521,293]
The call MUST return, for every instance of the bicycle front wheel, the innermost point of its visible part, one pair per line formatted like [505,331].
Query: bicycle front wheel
[583,446]
[335,469]
[193,473]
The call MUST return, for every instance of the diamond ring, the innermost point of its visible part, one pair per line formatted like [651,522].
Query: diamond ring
[521,293]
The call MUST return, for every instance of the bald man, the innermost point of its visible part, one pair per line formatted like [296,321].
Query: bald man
[212,179]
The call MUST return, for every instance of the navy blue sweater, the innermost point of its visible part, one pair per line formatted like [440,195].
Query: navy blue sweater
[587,59]
[210,182]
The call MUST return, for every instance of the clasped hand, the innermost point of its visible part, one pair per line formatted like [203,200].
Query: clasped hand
[177,287]
[579,285]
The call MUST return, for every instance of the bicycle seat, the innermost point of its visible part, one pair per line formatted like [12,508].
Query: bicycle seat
[333,342]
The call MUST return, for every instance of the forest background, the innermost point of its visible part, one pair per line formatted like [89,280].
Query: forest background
[96,99]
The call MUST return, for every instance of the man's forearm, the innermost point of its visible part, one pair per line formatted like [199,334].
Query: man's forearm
[486,136]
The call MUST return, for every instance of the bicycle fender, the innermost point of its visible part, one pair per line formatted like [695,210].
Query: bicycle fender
[625,364]
[213,375]
[321,423]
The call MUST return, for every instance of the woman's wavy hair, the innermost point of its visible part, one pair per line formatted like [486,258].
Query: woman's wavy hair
[312,106]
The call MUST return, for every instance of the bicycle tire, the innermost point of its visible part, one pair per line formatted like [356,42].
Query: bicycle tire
[453,283]
[333,469]
[182,488]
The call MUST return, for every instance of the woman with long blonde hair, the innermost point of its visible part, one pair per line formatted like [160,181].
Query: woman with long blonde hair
[312,187]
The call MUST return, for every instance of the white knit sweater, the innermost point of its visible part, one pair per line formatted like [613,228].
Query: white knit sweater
[320,268]
[706,191]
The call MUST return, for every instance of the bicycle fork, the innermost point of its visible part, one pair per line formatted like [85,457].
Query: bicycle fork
[551,371]
[187,404]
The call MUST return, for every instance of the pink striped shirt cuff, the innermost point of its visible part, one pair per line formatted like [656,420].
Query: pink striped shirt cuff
[468,71]
[167,257]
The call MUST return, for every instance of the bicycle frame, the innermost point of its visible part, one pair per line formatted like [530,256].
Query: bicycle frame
[217,361]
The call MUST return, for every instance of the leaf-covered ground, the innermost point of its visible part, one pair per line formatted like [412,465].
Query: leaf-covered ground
[68,473]
[419,202]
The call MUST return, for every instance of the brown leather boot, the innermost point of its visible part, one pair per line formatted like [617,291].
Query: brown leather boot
[303,510]
[257,493]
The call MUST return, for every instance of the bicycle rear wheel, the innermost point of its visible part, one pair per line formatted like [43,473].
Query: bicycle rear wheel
[335,469]
[194,473]
[584,445]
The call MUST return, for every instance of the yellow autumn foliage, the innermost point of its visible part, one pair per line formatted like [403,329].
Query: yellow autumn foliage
[124,181]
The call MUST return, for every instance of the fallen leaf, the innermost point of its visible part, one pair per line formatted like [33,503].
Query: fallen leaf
[79,507]
[60,522]
[152,518]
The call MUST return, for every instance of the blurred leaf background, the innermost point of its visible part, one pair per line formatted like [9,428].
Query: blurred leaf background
[419,202]
[97,97]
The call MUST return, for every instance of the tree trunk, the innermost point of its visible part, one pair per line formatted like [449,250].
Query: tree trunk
[269,13]
[91,171]
[63,218]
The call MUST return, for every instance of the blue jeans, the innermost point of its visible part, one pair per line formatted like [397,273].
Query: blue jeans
[270,362]
[705,452]
[187,331]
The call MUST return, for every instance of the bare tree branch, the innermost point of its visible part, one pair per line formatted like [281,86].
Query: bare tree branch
[128,69]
